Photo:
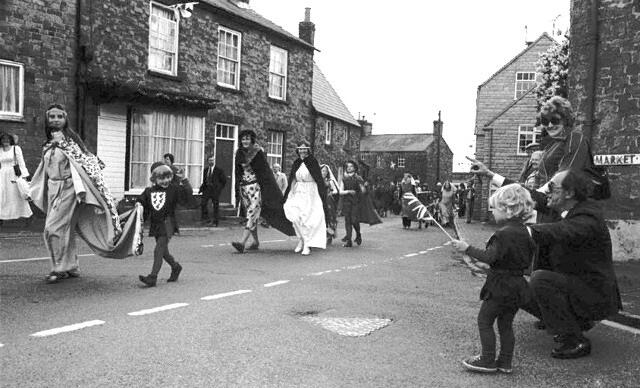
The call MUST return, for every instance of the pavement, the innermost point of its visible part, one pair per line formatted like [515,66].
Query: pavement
[628,272]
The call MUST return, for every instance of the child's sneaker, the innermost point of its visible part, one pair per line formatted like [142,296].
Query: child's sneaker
[504,366]
[149,280]
[175,272]
[480,364]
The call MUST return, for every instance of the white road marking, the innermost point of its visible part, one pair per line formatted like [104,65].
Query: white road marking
[279,282]
[422,252]
[65,329]
[228,244]
[411,255]
[1,345]
[224,295]
[158,309]
[629,315]
[621,327]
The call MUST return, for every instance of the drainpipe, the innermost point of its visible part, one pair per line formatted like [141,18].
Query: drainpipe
[594,44]
[78,62]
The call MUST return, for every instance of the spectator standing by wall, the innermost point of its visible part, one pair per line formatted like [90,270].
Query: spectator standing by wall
[213,181]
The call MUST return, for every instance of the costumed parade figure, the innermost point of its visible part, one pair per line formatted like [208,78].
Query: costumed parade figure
[330,203]
[357,206]
[13,186]
[304,201]
[407,185]
[69,187]
[159,204]
[259,191]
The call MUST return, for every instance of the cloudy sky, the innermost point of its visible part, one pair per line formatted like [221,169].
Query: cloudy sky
[400,62]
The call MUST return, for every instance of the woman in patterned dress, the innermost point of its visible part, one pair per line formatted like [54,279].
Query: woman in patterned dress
[258,191]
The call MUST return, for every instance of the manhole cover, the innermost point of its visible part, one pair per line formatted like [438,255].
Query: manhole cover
[351,327]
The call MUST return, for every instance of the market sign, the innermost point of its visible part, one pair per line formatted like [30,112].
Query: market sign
[617,160]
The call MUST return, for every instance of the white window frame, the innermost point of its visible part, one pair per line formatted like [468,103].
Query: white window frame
[10,115]
[174,67]
[139,190]
[236,84]
[401,162]
[522,82]
[271,155]
[379,161]
[328,132]
[227,132]
[526,130]
[274,73]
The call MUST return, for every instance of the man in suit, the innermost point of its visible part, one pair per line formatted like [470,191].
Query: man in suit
[213,181]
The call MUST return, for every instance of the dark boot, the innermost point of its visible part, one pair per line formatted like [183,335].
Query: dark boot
[347,244]
[358,239]
[175,272]
[149,280]
[573,346]
[255,245]
[238,246]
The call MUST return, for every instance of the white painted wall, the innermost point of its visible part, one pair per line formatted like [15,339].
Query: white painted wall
[112,141]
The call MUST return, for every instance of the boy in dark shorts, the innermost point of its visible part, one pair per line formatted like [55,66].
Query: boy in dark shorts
[159,203]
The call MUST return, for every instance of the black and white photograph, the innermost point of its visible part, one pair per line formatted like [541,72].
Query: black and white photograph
[320,193]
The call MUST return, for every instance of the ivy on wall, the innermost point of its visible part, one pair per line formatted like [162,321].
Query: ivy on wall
[553,67]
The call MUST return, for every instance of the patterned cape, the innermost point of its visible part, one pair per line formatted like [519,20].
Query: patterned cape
[107,233]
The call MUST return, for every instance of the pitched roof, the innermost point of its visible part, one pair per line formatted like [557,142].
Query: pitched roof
[396,143]
[529,47]
[325,100]
[254,17]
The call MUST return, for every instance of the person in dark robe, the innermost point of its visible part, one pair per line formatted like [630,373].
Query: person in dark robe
[259,191]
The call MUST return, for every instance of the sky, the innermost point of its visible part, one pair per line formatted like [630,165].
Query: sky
[400,63]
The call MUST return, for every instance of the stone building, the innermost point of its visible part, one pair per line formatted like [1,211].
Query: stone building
[426,156]
[604,89]
[141,78]
[506,110]
[337,134]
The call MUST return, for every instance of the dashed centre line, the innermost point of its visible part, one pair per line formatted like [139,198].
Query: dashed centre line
[229,244]
[158,309]
[279,282]
[65,329]
[224,295]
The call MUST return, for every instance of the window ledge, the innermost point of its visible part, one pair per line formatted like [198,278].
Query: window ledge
[12,118]
[278,101]
[164,75]
[229,89]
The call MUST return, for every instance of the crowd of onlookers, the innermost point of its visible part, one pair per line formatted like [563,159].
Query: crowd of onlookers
[442,202]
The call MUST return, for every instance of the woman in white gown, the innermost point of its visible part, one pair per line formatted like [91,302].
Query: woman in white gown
[12,204]
[304,201]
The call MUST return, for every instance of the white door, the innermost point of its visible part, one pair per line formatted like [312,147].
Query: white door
[112,142]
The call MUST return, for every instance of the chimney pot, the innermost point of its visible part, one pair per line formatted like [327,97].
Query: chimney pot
[306,28]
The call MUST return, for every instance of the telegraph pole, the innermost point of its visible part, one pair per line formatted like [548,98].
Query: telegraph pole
[438,135]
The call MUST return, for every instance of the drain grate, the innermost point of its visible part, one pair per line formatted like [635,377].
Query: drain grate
[351,327]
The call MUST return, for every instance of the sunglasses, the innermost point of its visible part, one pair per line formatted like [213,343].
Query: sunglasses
[553,121]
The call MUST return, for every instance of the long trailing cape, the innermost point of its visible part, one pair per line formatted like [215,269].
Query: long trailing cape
[316,173]
[107,233]
[272,201]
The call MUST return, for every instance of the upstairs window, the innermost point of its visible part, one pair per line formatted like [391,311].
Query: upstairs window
[278,73]
[328,132]
[11,89]
[275,141]
[163,39]
[527,134]
[400,162]
[524,82]
[229,42]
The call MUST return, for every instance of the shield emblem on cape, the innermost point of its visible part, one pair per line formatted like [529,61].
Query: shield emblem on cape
[158,199]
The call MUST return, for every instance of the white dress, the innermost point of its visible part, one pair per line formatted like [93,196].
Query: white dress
[304,209]
[12,206]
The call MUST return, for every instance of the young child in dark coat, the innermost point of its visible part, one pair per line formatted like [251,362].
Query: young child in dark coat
[509,253]
[159,202]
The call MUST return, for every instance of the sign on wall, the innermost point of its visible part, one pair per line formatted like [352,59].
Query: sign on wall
[616,160]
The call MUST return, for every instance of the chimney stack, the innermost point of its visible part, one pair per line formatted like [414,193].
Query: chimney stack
[306,28]
[367,127]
